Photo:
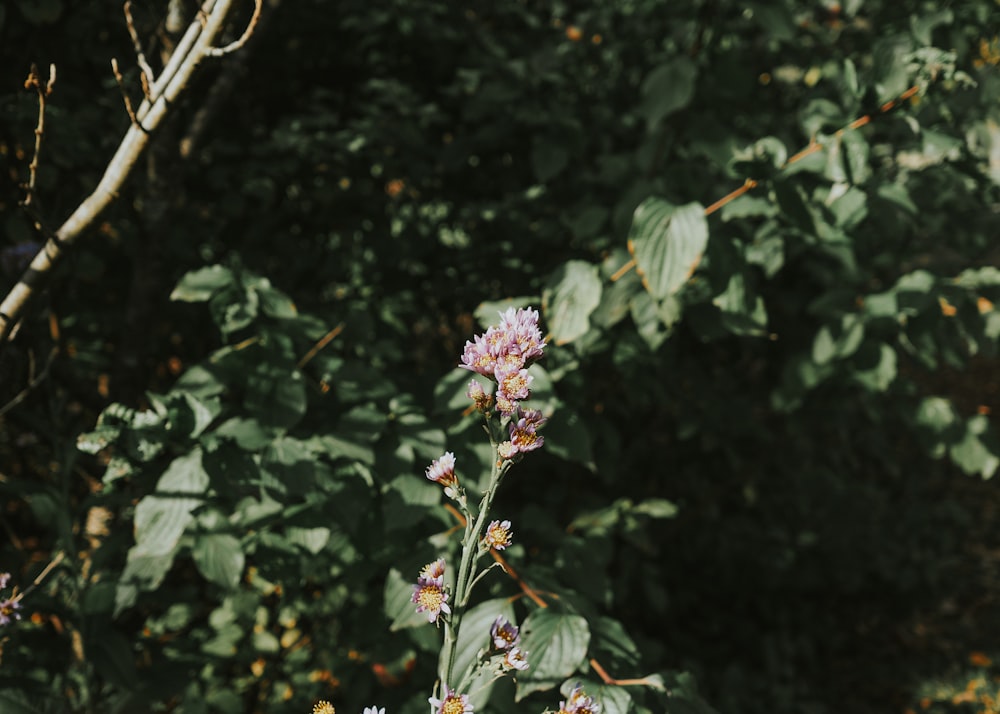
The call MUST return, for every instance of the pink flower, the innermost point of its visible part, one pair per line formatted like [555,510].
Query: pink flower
[497,535]
[451,703]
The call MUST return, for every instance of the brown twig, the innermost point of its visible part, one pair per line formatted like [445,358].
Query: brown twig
[128,102]
[608,679]
[33,380]
[39,578]
[35,82]
[147,78]
[812,148]
[233,46]
[323,342]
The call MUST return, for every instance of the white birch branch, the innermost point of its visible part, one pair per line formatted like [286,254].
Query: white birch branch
[195,45]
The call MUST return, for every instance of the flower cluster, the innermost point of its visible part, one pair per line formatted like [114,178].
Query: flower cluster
[9,606]
[429,593]
[451,703]
[579,703]
[503,354]
[506,638]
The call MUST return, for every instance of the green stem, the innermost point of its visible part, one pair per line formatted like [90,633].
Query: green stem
[466,573]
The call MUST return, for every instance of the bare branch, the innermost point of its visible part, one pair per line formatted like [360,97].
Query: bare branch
[193,47]
[147,72]
[35,82]
[233,46]
[128,102]
[33,380]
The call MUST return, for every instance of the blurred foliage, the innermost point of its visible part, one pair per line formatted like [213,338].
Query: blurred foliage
[755,469]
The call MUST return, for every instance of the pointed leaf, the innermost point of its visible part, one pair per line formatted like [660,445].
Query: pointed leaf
[161,517]
[200,285]
[667,243]
[556,644]
[219,558]
[574,292]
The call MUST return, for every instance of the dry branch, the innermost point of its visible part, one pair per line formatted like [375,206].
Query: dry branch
[195,45]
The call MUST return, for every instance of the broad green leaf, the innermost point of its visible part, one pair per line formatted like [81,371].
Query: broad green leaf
[399,606]
[474,635]
[650,321]
[220,558]
[311,539]
[667,242]
[838,341]
[161,517]
[408,498]
[275,303]
[572,294]
[878,376]
[748,207]
[657,508]
[276,397]
[200,285]
[793,205]
[556,644]
[743,312]
[979,450]
[667,89]
[143,571]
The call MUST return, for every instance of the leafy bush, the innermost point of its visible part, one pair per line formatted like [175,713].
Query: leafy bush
[759,409]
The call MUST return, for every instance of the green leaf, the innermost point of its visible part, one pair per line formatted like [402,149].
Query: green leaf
[979,450]
[142,571]
[408,498]
[667,242]
[837,341]
[548,159]
[200,285]
[667,89]
[276,396]
[220,558]
[474,635]
[877,374]
[16,702]
[161,517]
[556,644]
[399,607]
[275,303]
[572,294]
[312,540]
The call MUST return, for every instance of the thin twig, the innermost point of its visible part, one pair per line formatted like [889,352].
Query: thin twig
[128,102]
[608,679]
[812,148]
[35,82]
[323,342]
[34,380]
[148,79]
[40,577]
[233,46]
